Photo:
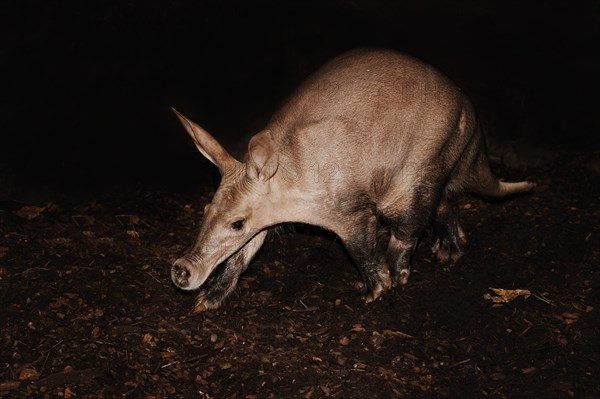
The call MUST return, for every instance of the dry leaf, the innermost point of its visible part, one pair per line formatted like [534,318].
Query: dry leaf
[529,370]
[149,339]
[31,212]
[570,315]
[225,365]
[398,334]
[360,366]
[29,374]
[9,385]
[504,296]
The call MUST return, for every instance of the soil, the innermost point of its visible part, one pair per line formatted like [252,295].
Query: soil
[88,309]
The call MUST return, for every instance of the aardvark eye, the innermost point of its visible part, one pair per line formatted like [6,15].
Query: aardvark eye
[238,224]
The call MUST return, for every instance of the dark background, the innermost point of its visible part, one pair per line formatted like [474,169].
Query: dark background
[86,87]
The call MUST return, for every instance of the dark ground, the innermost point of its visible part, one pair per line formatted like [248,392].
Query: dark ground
[88,309]
[100,190]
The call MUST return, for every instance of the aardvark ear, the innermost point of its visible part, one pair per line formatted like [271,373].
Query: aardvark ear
[263,160]
[208,145]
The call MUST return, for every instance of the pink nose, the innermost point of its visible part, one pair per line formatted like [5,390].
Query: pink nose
[180,273]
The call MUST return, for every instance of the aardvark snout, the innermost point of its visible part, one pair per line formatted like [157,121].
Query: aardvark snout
[181,273]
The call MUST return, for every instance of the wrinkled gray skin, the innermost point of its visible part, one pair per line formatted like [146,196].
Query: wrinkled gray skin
[373,147]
